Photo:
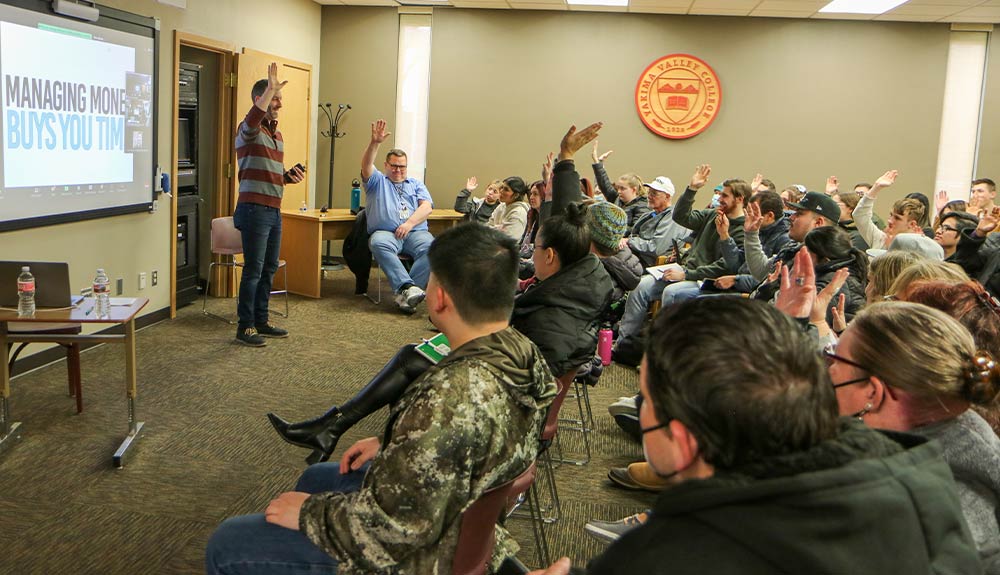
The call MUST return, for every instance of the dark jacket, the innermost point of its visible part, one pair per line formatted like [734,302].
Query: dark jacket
[633,210]
[560,315]
[862,503]
[625,270]
[980,258]
[704,259]
[856,239]
[475,209]
[854,287]
[357,255]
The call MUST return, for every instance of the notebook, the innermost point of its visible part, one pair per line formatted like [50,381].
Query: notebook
[51,283]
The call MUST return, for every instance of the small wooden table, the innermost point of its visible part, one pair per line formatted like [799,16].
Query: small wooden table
[81,314]
[303,233]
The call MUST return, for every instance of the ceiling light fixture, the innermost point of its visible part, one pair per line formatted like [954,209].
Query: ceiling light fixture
[860,6]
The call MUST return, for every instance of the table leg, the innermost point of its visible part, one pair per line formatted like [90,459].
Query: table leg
[10,431]
[134,427]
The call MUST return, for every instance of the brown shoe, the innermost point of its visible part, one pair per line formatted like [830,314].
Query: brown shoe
[638,477]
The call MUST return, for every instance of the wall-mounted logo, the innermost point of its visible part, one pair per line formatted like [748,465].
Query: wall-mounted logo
[678,96]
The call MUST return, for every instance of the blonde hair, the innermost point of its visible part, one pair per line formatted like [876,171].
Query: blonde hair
[885,268]
[924,352]
[635,182]
[924,270]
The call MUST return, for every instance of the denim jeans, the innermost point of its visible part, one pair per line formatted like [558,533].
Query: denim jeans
[250,545]
[647,291]
[386,248]
[260,227]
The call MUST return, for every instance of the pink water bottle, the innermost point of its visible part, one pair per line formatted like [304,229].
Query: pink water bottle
[604,345]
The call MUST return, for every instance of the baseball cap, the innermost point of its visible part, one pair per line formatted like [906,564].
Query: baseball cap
[822,204]
[661,184]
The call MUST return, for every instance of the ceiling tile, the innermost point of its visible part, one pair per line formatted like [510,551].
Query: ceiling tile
[792,5]
[528,6]
[890,17]
[780,14]
[700,6]
[928,10]
[654,9]
[370,3]
[683,5]
[494,4]
[982,11]
[960,3]
[580,8]
[826,16]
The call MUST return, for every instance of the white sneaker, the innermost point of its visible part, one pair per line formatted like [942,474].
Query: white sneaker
[414,296]
[401,303]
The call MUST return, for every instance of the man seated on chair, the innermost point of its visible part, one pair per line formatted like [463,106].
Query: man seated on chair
[466,425]
[769,479]
[397,208]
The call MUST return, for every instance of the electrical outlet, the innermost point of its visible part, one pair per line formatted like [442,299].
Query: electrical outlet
[155,277]
[142,280]
[120,286]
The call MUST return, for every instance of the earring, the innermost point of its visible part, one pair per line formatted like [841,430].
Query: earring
[864,411]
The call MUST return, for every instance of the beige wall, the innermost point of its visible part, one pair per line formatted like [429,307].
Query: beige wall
[988,165]
[357,71]
[126,245]
[801,99]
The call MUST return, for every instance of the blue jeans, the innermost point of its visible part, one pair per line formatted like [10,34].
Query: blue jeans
[386,248]
[647,291]
[250,545]
[260,228]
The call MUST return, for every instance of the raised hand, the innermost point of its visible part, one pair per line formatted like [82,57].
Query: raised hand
[379,134]
[825,295]
[700,176]
[547,168]
[832,185]
[722,225]
[757,179]
[798,288]
[940,200]
[839,317]
[988,220]
[884,181]
[471,184]
[776,272]
[598,158]
[752,218]
[272,78]
[574,140]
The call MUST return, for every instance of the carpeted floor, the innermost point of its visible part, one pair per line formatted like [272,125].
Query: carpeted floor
[208,453]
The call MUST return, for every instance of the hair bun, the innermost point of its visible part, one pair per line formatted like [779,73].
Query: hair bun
[576,213]
[982,379]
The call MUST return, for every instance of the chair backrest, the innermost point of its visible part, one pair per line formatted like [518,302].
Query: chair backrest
[475,535]
[226,239]
[565,381]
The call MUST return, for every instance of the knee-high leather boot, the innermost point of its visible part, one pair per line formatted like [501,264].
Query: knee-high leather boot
[322,433]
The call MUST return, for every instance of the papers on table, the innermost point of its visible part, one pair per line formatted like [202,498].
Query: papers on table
[122,301]
[657,271]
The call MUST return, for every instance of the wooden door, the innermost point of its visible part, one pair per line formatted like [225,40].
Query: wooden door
[293,118]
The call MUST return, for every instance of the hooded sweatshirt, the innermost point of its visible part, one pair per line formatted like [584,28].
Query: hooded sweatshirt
[469,423]
[861,503]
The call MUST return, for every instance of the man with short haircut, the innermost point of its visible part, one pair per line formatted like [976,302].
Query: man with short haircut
[704,259]
[772,238]
[982,195]
[739,409]
[655,231]
[953,224]
[468,424]
[260,155]
[904,218]
[397,207]
[814,210]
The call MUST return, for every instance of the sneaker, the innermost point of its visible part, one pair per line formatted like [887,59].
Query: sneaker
[402,304]
[624,406]
[269,330]
[249,336]
[626,414]
[638,477]
[610,531]
[414,296]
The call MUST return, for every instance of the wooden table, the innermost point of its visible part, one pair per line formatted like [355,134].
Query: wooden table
[82,314]
[303,233]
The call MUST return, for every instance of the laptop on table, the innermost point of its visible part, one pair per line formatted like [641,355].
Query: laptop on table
[51,283]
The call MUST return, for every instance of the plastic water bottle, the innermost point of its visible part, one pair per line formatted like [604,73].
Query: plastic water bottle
[25,293]
[102,297]
[304,207]
[355,196]
[604,338]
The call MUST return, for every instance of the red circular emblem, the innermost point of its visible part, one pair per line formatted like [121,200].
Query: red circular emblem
[678,96]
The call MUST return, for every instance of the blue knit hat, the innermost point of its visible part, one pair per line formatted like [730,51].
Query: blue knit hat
[607,224]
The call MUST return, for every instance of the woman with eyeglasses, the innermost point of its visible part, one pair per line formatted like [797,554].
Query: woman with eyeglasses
[907,367]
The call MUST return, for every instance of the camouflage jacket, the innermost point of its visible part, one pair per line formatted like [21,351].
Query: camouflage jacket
[468,424]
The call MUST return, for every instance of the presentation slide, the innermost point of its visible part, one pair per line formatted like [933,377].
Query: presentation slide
[76,119]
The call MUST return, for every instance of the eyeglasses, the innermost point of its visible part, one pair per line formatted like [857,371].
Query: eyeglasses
[645,430]
[398,166]
[949,229]
[830,353]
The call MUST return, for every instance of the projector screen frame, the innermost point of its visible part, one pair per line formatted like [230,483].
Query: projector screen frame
[121,21]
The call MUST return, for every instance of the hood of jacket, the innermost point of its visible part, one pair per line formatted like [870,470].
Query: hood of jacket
[624,268]
[527,375]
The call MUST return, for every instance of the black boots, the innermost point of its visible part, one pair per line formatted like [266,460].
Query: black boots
[322,433]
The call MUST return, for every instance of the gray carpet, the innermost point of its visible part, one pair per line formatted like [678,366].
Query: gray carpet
[208,452]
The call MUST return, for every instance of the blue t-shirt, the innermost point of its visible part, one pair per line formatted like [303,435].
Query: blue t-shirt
[388,204]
